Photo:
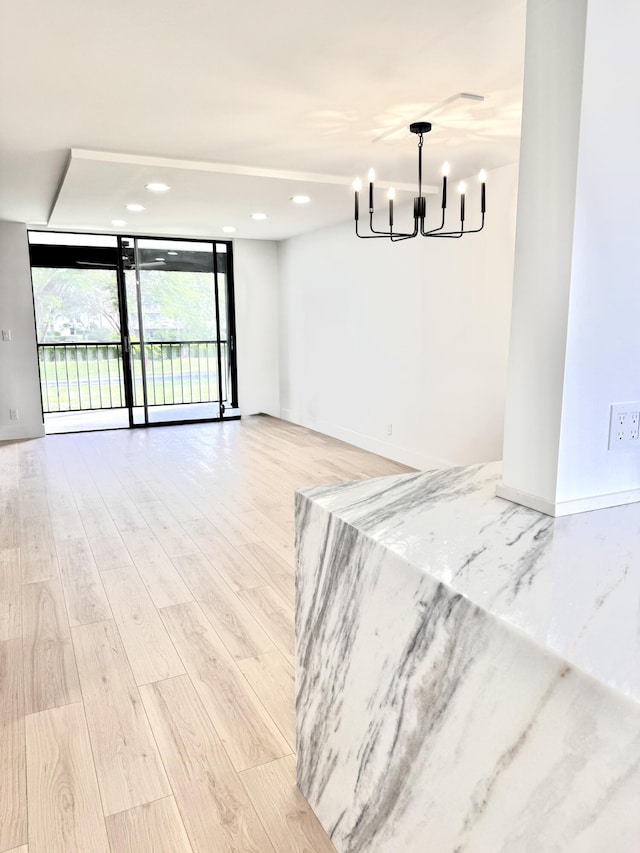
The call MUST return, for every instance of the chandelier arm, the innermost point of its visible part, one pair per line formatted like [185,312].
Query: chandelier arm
[372,236]
[461,233]
[369,236]
[385,235]
[375,230]
[433,230]
[389,233]
[414,233]
[476,230]
[453,235]
[396,239]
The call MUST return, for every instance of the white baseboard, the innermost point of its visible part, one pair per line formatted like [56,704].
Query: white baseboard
[561,508]
[404,455]
[21,431]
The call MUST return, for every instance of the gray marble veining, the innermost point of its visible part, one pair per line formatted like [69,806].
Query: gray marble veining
[572,584]
[467,669]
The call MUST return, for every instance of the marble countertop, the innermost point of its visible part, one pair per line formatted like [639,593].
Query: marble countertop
[571,584]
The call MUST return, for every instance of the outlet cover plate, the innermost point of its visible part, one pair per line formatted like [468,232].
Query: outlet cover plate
[624,427]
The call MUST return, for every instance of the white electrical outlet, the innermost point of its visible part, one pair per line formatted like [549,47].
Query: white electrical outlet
[389,429]
[13,414]
[6,334]
[624,426]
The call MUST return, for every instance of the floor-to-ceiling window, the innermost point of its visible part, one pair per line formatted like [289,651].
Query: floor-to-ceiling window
[133,331]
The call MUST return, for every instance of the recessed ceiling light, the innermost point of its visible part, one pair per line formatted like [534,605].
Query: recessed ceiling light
[301,199]
[258,215]
[172,253]
[118,222]
[157,187]
[135,208]
[229,229]
[159,259]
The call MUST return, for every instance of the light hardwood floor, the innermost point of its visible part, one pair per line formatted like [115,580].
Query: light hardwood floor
[146,637]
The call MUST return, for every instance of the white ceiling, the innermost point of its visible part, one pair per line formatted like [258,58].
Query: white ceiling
[203,197]
[293,92]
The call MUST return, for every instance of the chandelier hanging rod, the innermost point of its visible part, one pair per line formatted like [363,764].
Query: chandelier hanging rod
[420,202]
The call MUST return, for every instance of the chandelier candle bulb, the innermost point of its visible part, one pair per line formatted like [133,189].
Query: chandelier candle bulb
[483,191]
[462,189]
[445,175]
[372,177]
[391,195]
[444,192]
[357,186]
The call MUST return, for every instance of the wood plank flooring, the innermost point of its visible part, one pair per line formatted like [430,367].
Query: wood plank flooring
[146,637]
[62,780]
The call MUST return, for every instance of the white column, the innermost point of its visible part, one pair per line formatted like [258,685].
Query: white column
[575,331]
[19,379]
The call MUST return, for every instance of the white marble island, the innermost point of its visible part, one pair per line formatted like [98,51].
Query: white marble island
[468,670]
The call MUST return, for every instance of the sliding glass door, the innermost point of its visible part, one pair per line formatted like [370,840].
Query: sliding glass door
[156,337]
[177,300]
[78,330]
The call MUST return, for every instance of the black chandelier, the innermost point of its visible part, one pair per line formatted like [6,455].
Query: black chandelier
[420,202]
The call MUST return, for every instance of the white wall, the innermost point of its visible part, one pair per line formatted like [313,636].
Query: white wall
[575,341]
[603,347]
[256,291]
[19,380]
[413,334]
